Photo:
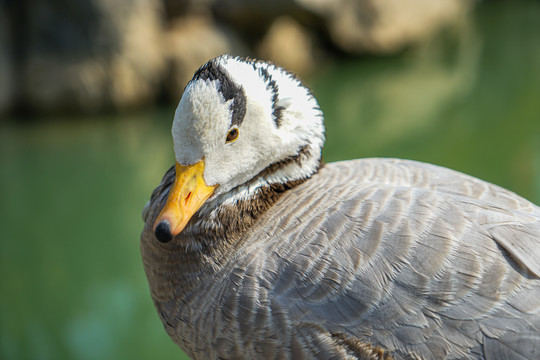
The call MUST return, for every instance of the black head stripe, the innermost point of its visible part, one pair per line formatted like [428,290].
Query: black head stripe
[227,88]
[272,86]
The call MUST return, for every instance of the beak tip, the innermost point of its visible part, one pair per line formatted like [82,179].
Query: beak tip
[163,231]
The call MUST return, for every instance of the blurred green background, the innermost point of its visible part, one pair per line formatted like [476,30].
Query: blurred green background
[71,190]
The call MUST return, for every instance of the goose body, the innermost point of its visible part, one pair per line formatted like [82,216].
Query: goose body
[271,254]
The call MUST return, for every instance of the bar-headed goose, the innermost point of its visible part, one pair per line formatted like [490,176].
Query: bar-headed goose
[256,250]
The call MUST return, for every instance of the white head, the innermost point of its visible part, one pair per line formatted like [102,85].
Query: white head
[273,114]
[240,125]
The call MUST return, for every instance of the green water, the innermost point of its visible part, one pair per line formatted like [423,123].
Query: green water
[71,190]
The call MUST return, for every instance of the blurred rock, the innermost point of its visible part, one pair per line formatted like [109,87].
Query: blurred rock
[255,15]
[178,8]
[191,42]
[288,44]
[355,26]
[7,86]
[100,55]
[91,55]
[384,26]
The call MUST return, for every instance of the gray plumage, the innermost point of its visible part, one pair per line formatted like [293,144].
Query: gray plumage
[366,259]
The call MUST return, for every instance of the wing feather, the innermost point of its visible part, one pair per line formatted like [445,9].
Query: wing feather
[409,256]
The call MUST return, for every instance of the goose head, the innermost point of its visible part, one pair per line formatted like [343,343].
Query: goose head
[240,125]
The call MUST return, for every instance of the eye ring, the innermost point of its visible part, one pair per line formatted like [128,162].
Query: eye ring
[232,135]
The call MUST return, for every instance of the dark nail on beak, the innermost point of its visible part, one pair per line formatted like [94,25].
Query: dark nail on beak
[163,232]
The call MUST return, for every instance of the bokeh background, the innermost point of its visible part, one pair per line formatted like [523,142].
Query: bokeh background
[88,90]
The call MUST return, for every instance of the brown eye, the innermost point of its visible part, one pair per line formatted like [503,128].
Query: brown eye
[232,135]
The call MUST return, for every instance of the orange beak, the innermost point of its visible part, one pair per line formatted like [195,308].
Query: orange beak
[188,193]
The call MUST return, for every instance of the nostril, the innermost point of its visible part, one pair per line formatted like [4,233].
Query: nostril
[163,232]
[187,198]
